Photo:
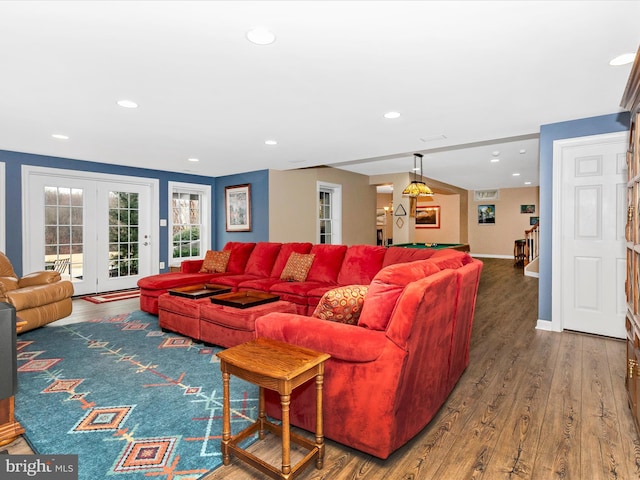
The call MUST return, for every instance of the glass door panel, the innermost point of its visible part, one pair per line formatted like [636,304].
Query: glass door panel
[63,231]
[123,234]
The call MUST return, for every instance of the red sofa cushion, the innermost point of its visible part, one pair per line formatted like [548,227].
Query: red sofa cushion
[327,263]
[342,341]
[283,256]
[402,255]
[385,289]
[360,264]
[295,288]
[163,281]
[448,258]
[262,259]
[240,252]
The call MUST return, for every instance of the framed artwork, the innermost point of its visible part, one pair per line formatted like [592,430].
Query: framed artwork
[486,214]
[534,220]
[527,209]
[237,203]
[428,217]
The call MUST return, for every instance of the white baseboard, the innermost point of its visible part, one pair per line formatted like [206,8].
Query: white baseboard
[547,326]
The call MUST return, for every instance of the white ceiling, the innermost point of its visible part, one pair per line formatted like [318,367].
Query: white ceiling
[469,78]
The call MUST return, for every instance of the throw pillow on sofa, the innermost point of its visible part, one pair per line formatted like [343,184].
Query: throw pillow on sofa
[342,305]
[215,262]
[297,267]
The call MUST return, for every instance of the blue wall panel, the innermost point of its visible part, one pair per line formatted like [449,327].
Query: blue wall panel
[259,182]
[548,134]
[15,160]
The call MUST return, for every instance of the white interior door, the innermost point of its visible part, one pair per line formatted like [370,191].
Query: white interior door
[96,231]
[592,207]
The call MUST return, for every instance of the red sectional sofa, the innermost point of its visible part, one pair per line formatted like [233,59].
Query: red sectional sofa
[257,266]
[389,373]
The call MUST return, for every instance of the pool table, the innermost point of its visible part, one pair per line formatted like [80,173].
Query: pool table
[463,247]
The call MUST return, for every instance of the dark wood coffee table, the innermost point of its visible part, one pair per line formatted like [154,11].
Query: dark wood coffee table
[280,367]
[202,290]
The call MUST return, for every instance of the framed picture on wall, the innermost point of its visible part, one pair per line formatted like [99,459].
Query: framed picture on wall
[428,217]
[534,220]
[486,214]
[237,203]
[527,209]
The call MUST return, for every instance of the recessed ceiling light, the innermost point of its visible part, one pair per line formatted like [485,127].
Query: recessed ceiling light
[495,160]
[260,36]
[59,136]
[193,159]
[127,104]
[523,151]
[624,59]
[270,142]
[527,183]
[515,174]
[392,115]
[495,153]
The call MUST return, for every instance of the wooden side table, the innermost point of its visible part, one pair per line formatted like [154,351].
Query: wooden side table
[281,367]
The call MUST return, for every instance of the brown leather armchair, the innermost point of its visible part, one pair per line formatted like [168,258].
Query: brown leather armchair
[39,297]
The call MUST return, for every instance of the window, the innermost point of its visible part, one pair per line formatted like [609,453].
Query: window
[190,222]
[330,212]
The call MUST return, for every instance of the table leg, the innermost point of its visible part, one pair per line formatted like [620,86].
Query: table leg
[261,415]
[319,430]
[285,401]
[226,419]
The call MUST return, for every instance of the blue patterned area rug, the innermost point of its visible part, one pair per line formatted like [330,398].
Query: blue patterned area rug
[131,401]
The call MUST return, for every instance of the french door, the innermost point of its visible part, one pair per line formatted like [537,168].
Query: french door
[95,231]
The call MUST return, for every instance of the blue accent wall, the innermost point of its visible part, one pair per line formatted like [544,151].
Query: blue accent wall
[548,134]
[13,201]
[259,200]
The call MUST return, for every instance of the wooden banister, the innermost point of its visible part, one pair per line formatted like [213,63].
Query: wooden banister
[532,237]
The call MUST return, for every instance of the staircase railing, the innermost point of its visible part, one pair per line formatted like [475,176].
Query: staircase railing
[531,237]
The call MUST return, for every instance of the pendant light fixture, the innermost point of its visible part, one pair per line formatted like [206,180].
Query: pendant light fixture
[417,188]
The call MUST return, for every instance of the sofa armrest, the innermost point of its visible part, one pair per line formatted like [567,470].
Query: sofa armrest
[349,343]
[191,266]
[39,278]
[7,284]
[39,295]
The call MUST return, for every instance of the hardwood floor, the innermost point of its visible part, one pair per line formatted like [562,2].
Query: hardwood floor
[531,405]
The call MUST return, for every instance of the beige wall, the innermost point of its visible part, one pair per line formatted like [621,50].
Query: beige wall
[449,231]
[497,240]
[293,211]
[293,205]
[453,212]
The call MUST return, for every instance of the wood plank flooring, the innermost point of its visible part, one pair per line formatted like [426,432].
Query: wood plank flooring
[531,405]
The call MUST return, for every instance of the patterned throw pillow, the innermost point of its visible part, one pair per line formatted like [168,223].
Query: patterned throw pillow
[342,304]
[215,262]
[297,267]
